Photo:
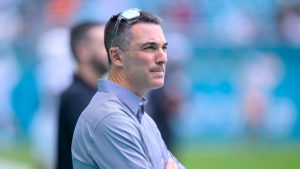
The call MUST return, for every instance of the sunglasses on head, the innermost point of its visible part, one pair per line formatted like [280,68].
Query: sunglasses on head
[127,15]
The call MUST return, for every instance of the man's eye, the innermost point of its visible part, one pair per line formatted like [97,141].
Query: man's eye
[150,47]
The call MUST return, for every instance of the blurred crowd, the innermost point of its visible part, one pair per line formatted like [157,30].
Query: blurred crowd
[232,68]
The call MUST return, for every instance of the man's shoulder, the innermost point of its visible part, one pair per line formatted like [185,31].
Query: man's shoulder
[69,93]
[102,106]
[77,93]
[75,89]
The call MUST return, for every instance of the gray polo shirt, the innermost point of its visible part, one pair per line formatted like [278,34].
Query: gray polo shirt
[109,135]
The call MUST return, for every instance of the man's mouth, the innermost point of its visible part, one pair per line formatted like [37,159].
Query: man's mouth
[157,69]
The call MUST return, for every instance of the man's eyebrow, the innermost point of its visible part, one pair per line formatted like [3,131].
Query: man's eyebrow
[153,43]
[148,43]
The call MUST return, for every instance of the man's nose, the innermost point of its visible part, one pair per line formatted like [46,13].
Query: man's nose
[161,56]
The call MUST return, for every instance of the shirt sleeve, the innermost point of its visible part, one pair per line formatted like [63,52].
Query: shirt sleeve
[166,153]
[117,144]
[180,166]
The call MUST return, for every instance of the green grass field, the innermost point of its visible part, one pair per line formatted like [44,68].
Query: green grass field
[16,155]
[241,157]
[257,156]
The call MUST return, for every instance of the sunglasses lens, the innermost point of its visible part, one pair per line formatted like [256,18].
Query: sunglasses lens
[127,15]
[131,14]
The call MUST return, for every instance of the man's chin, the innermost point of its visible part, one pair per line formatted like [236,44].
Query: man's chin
[158,84]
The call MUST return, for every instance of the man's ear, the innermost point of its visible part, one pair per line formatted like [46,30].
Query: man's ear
[116,56]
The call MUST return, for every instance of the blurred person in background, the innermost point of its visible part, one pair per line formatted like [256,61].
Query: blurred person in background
[261,74]
[87,46]
[288,24]
[114,131]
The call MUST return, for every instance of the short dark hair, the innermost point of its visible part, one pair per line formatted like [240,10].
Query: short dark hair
[79,33]
[123,35]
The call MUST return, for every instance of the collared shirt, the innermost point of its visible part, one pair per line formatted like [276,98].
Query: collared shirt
[109,135]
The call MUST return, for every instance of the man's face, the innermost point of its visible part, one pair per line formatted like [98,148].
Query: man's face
[146,57]
[98,58]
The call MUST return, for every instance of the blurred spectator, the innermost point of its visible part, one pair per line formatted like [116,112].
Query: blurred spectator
[87,44]
[262,73]
[288,24]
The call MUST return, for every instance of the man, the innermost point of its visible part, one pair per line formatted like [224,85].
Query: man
[113,131]
[87,45]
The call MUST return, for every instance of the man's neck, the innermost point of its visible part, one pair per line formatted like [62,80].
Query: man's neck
[119,78]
